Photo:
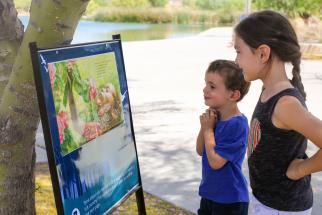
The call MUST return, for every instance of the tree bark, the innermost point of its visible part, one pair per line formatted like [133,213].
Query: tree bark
[10,39]
[52,23]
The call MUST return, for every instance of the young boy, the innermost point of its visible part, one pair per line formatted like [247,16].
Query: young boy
[222,142]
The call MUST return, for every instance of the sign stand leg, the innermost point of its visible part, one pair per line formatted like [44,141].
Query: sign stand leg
[140,201]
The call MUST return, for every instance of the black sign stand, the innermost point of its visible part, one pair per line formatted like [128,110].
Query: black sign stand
[48,140]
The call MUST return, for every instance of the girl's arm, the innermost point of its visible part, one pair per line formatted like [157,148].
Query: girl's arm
[200,142]
[290,114]
[208,121]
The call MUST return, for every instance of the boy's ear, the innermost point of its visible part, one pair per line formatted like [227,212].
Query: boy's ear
[264,52]
[235,95]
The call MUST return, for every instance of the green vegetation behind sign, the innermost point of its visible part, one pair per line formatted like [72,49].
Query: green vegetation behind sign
[206,12]
[302,8]
[293,8]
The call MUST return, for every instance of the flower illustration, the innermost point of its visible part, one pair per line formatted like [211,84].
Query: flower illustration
[52,74]
[62,122]
[70,64]
[92,89]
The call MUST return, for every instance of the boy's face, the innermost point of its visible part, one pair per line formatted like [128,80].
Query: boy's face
[216,95]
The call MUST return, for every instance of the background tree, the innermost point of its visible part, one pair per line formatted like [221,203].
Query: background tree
[303,8]
[130,3]
[51,23]
[159,3]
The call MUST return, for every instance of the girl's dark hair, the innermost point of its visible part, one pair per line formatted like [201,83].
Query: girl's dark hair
[273,29]
[232,75]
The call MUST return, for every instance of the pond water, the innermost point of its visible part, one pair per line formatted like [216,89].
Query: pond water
[89,31]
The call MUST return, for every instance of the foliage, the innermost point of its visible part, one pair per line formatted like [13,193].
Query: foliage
[101,2]
[189,3]
[22,4]
[159,3]
[160,15]
[132,15]
[221,5]
[303,8]
[294,8]
[92,6]
[206,4]
[187,17]
[227,10]
[130,3]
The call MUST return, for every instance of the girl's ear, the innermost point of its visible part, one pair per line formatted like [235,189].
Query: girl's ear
[264,52]
[235,95]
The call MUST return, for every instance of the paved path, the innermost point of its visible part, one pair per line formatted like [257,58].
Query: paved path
[165,80]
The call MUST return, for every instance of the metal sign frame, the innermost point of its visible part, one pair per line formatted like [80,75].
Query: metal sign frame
[50,129]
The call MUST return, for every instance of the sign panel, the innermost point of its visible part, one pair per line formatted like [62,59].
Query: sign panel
[86,118]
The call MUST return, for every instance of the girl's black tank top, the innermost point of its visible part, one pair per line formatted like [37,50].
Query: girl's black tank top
[271,151]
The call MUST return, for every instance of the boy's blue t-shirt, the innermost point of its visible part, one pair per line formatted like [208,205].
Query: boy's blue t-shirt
[227,184]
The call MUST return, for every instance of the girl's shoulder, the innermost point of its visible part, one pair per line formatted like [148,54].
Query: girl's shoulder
[285,92]
[283,97]
[287,109]
[289,100]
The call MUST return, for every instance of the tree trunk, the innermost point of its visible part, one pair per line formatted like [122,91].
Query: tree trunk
[52,23]
[10,38]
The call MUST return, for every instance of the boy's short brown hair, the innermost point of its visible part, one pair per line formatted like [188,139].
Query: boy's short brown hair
[232,74]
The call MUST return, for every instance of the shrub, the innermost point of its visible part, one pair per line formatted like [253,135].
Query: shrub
[292,9]
[160,15]
[92,6]
[159,3]
[228,5]
[131,3]
[22,4]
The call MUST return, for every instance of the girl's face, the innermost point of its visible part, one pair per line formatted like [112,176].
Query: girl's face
[247,59]
[215,93]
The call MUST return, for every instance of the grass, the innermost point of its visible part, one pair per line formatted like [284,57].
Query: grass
[45,203]
[163,15]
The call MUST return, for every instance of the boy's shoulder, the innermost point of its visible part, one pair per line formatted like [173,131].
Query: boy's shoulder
[235,123]
[240,119]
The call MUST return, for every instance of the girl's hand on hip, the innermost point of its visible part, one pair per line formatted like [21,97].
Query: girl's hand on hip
[293,171]
[208,120]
